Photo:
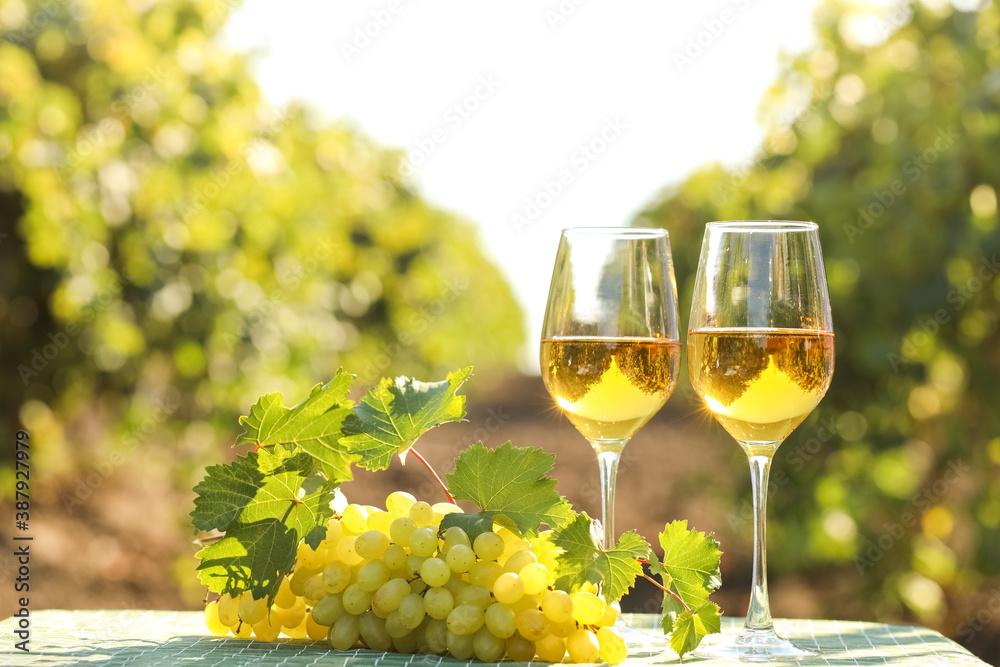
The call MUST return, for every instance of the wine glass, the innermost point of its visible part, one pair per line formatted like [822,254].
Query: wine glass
[610,350]
[760,355]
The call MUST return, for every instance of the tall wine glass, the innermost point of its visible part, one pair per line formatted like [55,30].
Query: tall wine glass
[760,355]
[610,350]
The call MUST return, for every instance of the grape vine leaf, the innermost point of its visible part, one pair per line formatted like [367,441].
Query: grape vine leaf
[690,627]
[394,413]
[315,425]
[583,561]
[690,567]
[511,487]
[251,557]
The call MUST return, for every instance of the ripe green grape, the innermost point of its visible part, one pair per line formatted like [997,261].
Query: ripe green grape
[355,519]
[412,611]
[465,619]
[315,630]
[438,603]
[478,596]
[487,646]
[421,513]
[399,502]
[582,646]
[423,542]
[373,632]
[588,609]
[557,606]
[436,635]
[488,546]
[297,582]
[268,628]
[484,573]
[564,629]
[535,578]
[212,620]
[413,565]
[435,572]
[453,536]
[388,598]
[285,597]
[229,610]
[501,620]
[445,509]
[551,648]
[329,610]
[612,647]
[356,600]
[460,646]
[526,602]
[314,560]
[372,575]
[336,577]
[394,626]
[371,544]
[292,617]
[314,588]
[532,624]
[379,521]
[519,560]
[461,558]
[334,531]
[401,529]
[347,552]
[408,643]
[345,632]
[520,649]
[508,588]
[242,630]
[395,557]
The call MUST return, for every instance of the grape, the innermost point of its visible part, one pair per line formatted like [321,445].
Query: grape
[345,632]
[314,588]
[444,509]
[244,630]
[401,529]
[379,521]
[297,582]
[212,620]
[478,596]
[460,646]
[526,602]
[309,558]
[316,631]
[461,558]
[487,646]
[388,598]
[251,610]
[436,635]
[285,597]
[336,577]
[355,519]
[418,586]
[356,600]
[564,629]
[229,610]
[484,573]
[372,575]
[399,502]
[557,606]
[408,643]
[501,620]
[588,609]
[346,550]
[438,603]
[421,513]
[508,588]
[612,647]
[413,565]
[423,542]
[532,624]
[412,611]
[610,616]
[488,546]
[435,572]
[520,649]
[329,610]
[373,632]
[456,585]
[518,561]
[455,535]
[395,557]
[551,648]
[582,646]
[268,628]
[371,544]
[292,617]
[394,627]
[535,578]
[299,631]
[334,531]
[465,619]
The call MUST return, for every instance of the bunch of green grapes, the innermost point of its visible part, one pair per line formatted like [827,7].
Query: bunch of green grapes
[392,580]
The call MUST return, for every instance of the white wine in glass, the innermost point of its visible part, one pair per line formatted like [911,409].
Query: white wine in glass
[609,350]
[760,356]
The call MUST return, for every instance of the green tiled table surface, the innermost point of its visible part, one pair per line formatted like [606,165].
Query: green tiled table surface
[143,638]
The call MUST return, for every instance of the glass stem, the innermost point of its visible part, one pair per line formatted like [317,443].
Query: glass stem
[759,613]
[608,462]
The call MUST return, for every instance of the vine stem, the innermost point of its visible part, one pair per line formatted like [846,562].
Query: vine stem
[451,498]
[666,590]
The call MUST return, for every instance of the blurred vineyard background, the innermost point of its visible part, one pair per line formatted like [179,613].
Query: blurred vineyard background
[171,247]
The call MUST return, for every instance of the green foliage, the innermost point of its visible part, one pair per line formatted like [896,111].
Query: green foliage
[690,627]
[689,569]
[891,148]
[175,239]
[583,561]
[510,486]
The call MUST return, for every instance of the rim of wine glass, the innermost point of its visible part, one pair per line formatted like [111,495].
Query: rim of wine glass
[765,225]
[625,232]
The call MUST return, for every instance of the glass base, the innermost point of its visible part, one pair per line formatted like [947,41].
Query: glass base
[755,646]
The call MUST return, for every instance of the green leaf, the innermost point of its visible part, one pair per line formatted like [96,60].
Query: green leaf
[691,627]
[315,425]
[510,486]
[690,566]
[583,561]
[253,557]
[264,485]
[394,413]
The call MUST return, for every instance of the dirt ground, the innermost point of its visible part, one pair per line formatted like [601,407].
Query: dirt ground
[129,544]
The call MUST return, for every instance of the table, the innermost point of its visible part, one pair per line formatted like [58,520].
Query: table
[143,638]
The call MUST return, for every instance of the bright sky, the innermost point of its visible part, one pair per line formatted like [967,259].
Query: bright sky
[496,102]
